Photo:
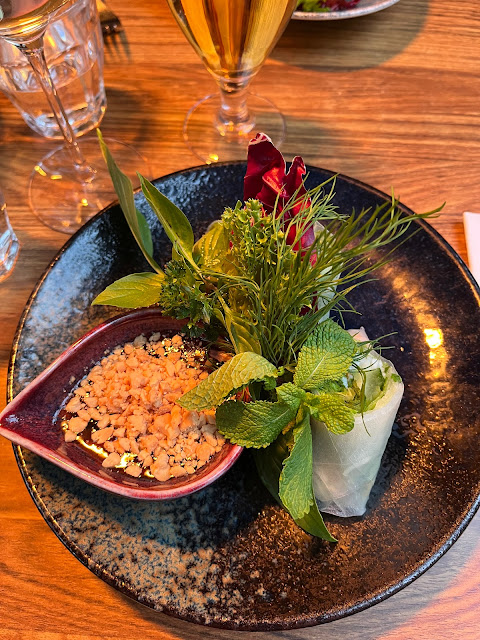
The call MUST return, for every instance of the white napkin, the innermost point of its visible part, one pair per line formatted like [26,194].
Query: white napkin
[471,223]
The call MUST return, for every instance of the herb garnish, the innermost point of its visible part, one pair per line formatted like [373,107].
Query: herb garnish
[268,273]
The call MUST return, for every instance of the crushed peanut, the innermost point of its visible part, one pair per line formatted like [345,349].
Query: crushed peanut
[124,409]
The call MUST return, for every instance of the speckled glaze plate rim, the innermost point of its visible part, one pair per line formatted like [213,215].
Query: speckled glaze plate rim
[439,549]
[362,10]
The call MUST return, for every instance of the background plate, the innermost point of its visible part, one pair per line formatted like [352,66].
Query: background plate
[363,8]
[228,556]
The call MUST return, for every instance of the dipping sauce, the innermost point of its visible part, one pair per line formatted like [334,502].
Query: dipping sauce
[124,410]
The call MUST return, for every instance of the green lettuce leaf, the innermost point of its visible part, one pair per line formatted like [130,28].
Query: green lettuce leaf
[233,375]
[130,292]
[327,354]
[253,424]
[240,331]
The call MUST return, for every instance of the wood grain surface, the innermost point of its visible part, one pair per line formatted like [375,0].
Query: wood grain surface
[391,99]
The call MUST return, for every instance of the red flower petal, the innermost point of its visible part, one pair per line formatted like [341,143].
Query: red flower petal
[266,181]
[262,157]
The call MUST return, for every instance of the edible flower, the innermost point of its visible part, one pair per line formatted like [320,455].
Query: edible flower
[268,181]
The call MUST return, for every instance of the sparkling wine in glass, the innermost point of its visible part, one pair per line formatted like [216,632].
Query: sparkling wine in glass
[233,38]
[71,183]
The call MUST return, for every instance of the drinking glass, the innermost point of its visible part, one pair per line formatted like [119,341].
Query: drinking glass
[9,245]
[73,46]
[233,38]
[71,183]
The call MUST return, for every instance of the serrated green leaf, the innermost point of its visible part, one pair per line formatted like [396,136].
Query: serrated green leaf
[253,424]
[326,355]
[241,370]
[291,394]
[212,247]
[131,292]
[173,220]
[295,487]
[269,466]
[124,190]
[331,409]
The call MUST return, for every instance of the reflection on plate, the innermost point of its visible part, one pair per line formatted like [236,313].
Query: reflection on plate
[228,556]
[363,8]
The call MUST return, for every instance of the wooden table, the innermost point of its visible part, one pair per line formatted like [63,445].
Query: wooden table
[391,99]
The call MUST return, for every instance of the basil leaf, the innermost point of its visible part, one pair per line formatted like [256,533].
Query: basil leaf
[135,220]
[131,292]
[295,486]
[173,220]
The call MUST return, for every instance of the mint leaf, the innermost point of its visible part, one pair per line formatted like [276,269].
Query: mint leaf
[327,354]
[331,409]
[173,220]
[130,292]
[210,250]
[269,466]
[291,395]
[253,424]
[233,375]
[295,487]
[135,220]
[312,522]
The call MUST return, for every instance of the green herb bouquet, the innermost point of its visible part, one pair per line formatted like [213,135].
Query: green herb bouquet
[266,276]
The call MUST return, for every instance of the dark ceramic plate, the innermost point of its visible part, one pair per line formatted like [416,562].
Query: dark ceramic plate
[227,555]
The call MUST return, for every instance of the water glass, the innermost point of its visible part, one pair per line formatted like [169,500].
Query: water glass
[74,53]
[9,245]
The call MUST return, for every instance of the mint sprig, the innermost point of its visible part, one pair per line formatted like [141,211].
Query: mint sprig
[325,358]
[238,372]
[326,355]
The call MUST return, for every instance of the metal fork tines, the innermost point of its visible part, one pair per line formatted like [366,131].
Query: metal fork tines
[109,21]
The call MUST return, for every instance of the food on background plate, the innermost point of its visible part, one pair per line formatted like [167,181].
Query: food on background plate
[261,283]
[326,5]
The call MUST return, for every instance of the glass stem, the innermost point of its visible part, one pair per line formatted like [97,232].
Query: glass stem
[234,118]
[34,51]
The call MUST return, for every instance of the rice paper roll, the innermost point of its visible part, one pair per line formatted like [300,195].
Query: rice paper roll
[345,465]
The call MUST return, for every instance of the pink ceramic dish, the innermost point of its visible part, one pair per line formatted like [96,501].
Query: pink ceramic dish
[30,419]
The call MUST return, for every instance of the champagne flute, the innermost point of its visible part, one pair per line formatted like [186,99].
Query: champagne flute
[233,38]
[71,183]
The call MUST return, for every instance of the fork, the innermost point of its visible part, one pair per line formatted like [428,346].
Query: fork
[109,21]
